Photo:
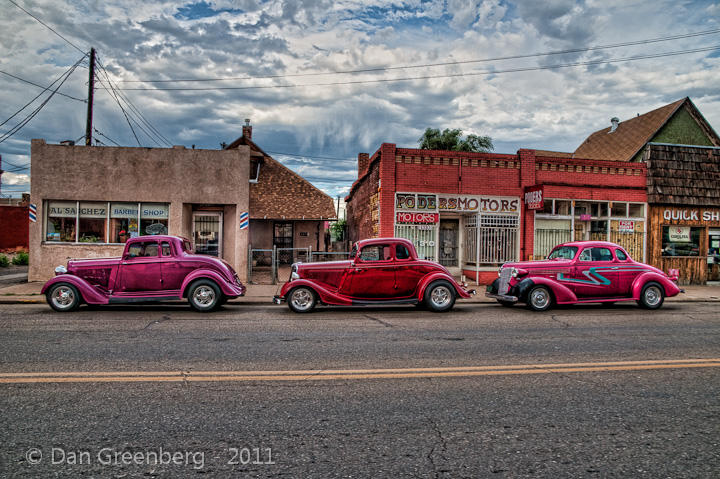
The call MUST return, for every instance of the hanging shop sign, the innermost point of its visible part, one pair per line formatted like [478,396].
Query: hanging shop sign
[456,203]
[421,218]
[585,217]
[534,196]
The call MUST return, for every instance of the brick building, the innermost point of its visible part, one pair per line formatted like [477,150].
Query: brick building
[468,210]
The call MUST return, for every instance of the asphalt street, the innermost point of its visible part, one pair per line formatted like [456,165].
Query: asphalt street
[255,391]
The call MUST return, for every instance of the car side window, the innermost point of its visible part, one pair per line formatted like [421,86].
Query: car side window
[137,250]
[585,255]
[601,254]
[621,256]
[375,252]
[401,252]
[165,247]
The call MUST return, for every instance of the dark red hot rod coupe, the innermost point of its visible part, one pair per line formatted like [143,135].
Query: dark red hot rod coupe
[379,272]
[583,272]
[152,268]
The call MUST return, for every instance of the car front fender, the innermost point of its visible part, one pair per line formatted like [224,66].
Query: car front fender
[438,275]
[325,295]
[228,289]
[89,293]
[671,289]
[560,292]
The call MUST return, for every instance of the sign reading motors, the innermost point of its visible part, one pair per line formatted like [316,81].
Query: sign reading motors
[456,203]
[421,218]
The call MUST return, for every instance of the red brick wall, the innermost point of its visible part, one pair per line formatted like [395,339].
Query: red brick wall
[358,209]
[13,227]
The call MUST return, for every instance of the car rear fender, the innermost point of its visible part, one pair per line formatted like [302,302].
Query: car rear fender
[426,280]
[89,293]
[214,276]
[671,289]
[560,292]
[326,296]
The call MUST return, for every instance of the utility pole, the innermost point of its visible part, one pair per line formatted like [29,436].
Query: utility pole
[91,91]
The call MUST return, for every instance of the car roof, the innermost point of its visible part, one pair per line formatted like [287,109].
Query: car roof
[157,238]
[372,241]
[585,244]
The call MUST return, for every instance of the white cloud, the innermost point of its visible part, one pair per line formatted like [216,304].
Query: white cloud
[15,179]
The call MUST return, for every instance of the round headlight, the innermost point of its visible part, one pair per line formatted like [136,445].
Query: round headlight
[514,273]
[60,270]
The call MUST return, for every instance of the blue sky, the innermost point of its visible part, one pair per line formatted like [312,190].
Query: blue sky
[283,54]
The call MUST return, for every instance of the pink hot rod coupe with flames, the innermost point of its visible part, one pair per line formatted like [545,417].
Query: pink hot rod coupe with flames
[583,272]
[152,268]
[380,271]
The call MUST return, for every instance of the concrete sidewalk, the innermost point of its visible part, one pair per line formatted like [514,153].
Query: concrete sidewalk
[263,294]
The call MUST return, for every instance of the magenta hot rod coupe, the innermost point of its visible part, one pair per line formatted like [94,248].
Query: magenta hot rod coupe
[152,268]
[380,271]
[583,272]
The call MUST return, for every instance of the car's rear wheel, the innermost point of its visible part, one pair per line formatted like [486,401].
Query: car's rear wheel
[302,299]
[204,295]
[439,296]
[63,297]
[652,296]
[539,298]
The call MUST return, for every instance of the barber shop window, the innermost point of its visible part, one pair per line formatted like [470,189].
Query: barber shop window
[376,253]
[93,222]
[61,221]
[681,241]
[154,219]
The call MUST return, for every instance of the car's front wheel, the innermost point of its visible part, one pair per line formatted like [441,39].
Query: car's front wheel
[439,296]
[204,295]
[539,298]
[63,297]
[302,299]
[651,296]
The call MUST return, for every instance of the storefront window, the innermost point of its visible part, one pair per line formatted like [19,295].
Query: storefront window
[562,207]
[153,219]
[681,241]
[547,207]
[619,209]
[636,210]
[61,221]
[93,222]
[123,222]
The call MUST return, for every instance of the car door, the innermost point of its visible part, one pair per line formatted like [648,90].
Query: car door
[373,273]
[173,269]
[593,275]
[407,272]
[141,268]
[627,271]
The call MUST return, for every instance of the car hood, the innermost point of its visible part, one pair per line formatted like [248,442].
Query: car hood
[545,263]
[323,265]
[92,262]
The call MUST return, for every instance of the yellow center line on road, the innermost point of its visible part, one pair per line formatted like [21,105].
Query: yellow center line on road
[338,374]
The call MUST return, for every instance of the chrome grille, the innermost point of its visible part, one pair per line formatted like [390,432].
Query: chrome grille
[504,285]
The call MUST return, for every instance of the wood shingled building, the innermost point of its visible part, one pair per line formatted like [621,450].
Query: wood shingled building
[286,211]
[682,154]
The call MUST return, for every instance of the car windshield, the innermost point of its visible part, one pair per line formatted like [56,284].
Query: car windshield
[563,252]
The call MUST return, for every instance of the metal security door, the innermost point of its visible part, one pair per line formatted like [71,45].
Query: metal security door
[283,241]
[449,230]
[207,232]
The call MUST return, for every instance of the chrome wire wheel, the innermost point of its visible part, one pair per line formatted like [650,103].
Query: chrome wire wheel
[440,296]
[302,300]
[204,296]
[539,298]
[63,297]
[652,296]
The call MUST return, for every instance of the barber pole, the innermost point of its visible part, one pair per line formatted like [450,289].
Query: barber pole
[32,212]
[244,220]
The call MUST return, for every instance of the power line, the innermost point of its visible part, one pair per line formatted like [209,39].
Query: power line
[430,65]
[48,27]
[308,156]
[451,75]
[114,95]
[106,137]
[32,115]
[40,86]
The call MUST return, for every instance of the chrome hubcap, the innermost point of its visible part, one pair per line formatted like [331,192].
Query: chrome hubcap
[302,299]
[63,297]
[539,298]
[440,296]
[204,296]
[652,296]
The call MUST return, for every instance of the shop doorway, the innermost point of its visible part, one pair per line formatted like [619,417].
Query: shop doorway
[283,238]
[713,258]
[207,232]
[449,242]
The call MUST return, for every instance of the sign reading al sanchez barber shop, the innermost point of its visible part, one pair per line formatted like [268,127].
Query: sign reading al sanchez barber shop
[456,203]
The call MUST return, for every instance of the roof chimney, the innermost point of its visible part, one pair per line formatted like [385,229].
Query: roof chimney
[247,129]
[363,162]
[614,121]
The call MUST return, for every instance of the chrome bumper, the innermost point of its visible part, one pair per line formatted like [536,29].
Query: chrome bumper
[502,297]
[278,299]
